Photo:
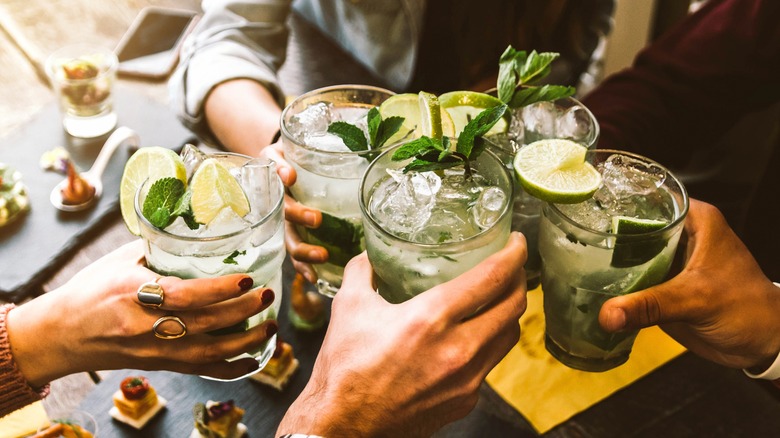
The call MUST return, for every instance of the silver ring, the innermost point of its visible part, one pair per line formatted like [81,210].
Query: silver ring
[151,294]
[160,331]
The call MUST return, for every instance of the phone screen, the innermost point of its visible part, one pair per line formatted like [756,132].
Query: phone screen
[152,47]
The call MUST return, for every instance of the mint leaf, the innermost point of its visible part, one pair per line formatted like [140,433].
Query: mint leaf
[231,259]
[161,200]
[387,128]
[477,127]
[536,66]
[417,147]
[183,209]
[507,74]
[420,165]
[353,137]
[545,93]
[374,121]
[340,237]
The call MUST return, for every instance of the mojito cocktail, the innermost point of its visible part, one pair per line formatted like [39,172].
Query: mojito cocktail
[329,172]
[621,240]
[425,228]
[235,225]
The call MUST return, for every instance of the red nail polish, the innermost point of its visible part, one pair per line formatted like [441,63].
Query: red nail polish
[271,330]
[246,283]
[267,297]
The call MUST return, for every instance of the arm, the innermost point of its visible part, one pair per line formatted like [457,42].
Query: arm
[408,369]
[232,57]
[721,306]
[694,83]
[95,322]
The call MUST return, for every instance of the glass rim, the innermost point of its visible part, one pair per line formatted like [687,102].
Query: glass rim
[505,212]
[266,218]
[111,66]
[638,236]
[286,134]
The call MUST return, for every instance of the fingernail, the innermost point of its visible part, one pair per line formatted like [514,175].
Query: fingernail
[271,330]
[315,254]
[246,283]
[309,277]
[267,297]
[310,218]
[617,318]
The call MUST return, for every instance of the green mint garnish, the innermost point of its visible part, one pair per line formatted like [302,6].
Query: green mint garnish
[340,237]
[379,131]
[516,68]
[231,259]
[444,236]
[167,199]
[161,201]
[433,154]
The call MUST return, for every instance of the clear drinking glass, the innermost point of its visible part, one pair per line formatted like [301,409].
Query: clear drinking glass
[586,262]
[83,78]
[423,229]
[229,244]
[565,118]
[328,172]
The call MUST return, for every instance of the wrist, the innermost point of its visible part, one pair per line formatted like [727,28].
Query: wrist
[320,412]
[769,367]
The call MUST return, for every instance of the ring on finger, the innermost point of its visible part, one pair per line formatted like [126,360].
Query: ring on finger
[151,294]
[166,327]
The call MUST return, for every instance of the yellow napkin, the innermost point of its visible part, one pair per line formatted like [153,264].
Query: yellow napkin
[546,392]
[24,422]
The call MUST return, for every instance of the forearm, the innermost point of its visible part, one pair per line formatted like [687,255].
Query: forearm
[243,115]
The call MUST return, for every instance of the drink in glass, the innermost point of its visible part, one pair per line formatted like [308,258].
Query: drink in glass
[251,244]
[425,228]
[564,118]
[620,241]
[329,172]
[83,77]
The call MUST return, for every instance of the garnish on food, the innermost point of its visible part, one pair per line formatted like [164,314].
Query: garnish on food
[519,71]
[134,388]
[379,131]
[78,190]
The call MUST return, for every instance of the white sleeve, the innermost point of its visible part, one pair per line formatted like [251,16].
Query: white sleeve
[234,39]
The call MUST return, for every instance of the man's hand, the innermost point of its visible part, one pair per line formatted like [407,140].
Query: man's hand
[407,369]
[721,306]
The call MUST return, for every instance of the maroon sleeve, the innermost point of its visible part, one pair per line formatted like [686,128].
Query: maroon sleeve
[691,85]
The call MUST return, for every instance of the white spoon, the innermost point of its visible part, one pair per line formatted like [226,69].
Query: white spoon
[94,174]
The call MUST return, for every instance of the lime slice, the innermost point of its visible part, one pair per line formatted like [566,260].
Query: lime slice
[636,252]
[408,106]
[430,115]
[463,106]
[150,163]
[555,171]
[214,188]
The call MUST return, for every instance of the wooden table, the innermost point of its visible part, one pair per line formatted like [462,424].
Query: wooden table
[687,397]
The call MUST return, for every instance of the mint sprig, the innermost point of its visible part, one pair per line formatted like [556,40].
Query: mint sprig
[431,154]
[231,259]
[166,200]
[518,71]
[379,131]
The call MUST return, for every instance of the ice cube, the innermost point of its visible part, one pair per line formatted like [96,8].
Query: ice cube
[574,124]
[517,126]
[488,207]
[539,120]
[315,118]
[262,187]
[225,222]
[404,206]
[625,176]
[192,157]
[325,142]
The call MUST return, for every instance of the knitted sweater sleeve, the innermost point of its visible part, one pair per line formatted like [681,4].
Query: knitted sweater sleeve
[15,392]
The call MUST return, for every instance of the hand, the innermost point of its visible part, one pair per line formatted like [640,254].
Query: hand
[407,369]
[721,306]
[301,253]
[95,322]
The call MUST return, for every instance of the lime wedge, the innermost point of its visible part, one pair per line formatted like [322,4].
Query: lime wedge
[408,106]
[463,106]
[150,163]
[555,171]
[430,115]
[214,188]
[636,252]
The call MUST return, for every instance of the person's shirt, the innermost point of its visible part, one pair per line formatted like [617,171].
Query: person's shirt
[437,45]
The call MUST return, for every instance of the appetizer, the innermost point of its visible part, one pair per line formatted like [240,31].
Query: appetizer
[63,428]
[279,368]
[78,190]
[136,402]
[218,420]
[13,195]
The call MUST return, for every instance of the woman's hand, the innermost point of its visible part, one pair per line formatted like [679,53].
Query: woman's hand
[95,322]
[407,369]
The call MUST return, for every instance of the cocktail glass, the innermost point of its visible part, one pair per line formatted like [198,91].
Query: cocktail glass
[565,118]
[83,77]
[328,172]
[229,244]
[586,262]
[425,228]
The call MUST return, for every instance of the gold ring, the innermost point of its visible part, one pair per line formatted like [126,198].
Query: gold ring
[151,294]
[160,327]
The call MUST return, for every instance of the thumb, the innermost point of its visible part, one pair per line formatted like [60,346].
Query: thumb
[666,302]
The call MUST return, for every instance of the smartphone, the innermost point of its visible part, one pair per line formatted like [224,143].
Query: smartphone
[150,47]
